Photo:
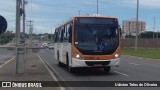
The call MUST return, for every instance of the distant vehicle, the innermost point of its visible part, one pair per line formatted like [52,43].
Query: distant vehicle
[91,41]
[45,45]
[40,46]
[36,43]
[51,46]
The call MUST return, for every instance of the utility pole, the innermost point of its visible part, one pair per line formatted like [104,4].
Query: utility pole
[17,23]
[17,36]
[137,26]
[30,32]
[79,12]
[51,35]
[97,8]
[154,19]
[19,52]
[24,16]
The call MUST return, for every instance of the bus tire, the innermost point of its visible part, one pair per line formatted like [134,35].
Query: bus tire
[71,69]
[107,69]
[59,63]
[67,60]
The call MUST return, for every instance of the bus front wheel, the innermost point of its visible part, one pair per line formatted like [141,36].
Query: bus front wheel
[107,69]
[71,69]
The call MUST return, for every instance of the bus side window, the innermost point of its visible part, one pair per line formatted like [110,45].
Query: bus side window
[56,36]
[59,35]
[65,38]
[70,33]
[62,34]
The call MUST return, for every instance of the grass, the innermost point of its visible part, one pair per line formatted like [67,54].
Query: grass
[148,53]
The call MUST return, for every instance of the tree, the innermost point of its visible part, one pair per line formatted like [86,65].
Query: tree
[6,37]
[149,34]
[129,36]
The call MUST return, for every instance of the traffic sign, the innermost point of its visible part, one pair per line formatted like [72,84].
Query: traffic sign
[3,24]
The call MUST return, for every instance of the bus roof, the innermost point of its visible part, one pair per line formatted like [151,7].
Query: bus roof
[72,18]
[93,17]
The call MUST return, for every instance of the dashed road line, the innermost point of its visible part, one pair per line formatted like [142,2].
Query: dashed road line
[121,73]
[134,64]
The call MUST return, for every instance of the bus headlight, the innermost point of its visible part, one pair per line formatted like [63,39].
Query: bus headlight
[116,55]
[77,56]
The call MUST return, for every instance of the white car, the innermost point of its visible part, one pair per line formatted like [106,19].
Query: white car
[51,47]
[45,45]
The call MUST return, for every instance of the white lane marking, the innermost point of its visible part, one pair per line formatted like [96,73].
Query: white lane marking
[50,72]
[134,64]
[121,73]
[7,62]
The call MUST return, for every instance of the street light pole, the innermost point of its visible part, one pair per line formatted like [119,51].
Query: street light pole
[17,34]
[19,52]
[154,19]
[97,7]
[79,12]
[17,22]
[24,16]
[137,26]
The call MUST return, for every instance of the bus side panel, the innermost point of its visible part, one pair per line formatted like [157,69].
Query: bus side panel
[70,54]
[58,51]
[60,47]
[55,51]
[66,50]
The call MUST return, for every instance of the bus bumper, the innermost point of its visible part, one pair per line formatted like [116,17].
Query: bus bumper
[95,63]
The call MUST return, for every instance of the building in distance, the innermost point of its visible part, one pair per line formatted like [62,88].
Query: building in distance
[129,27]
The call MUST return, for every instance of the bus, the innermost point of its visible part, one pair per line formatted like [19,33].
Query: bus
[88,41]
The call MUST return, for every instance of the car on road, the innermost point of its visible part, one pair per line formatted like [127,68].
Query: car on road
[51,46]
[45,45]
[40,46]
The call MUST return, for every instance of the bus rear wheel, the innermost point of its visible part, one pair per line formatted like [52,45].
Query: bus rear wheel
[107,69]
[71,69]
[60,64]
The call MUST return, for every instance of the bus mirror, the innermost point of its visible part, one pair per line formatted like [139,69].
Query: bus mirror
[120,31]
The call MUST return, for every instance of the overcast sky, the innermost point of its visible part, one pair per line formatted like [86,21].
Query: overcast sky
[47,14]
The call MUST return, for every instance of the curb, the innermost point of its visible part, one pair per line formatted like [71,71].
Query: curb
[53,73]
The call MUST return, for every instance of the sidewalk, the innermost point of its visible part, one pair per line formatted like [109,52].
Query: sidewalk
[35,70]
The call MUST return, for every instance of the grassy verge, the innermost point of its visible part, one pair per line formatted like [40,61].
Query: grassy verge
[148,53]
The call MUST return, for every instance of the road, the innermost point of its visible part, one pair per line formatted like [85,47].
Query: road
[131,69]
[5,54]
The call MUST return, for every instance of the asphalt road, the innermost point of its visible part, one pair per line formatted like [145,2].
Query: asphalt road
[131,69]
[5,54]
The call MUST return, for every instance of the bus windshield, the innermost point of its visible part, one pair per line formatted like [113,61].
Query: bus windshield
[96,39]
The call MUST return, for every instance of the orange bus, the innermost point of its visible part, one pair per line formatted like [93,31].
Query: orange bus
[88,41]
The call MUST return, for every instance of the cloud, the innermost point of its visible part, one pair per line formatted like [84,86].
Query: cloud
[47,13]
[148,4]
[8,5]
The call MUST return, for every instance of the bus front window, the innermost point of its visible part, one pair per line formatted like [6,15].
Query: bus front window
[97,39]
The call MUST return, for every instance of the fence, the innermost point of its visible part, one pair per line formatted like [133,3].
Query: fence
[142,43]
